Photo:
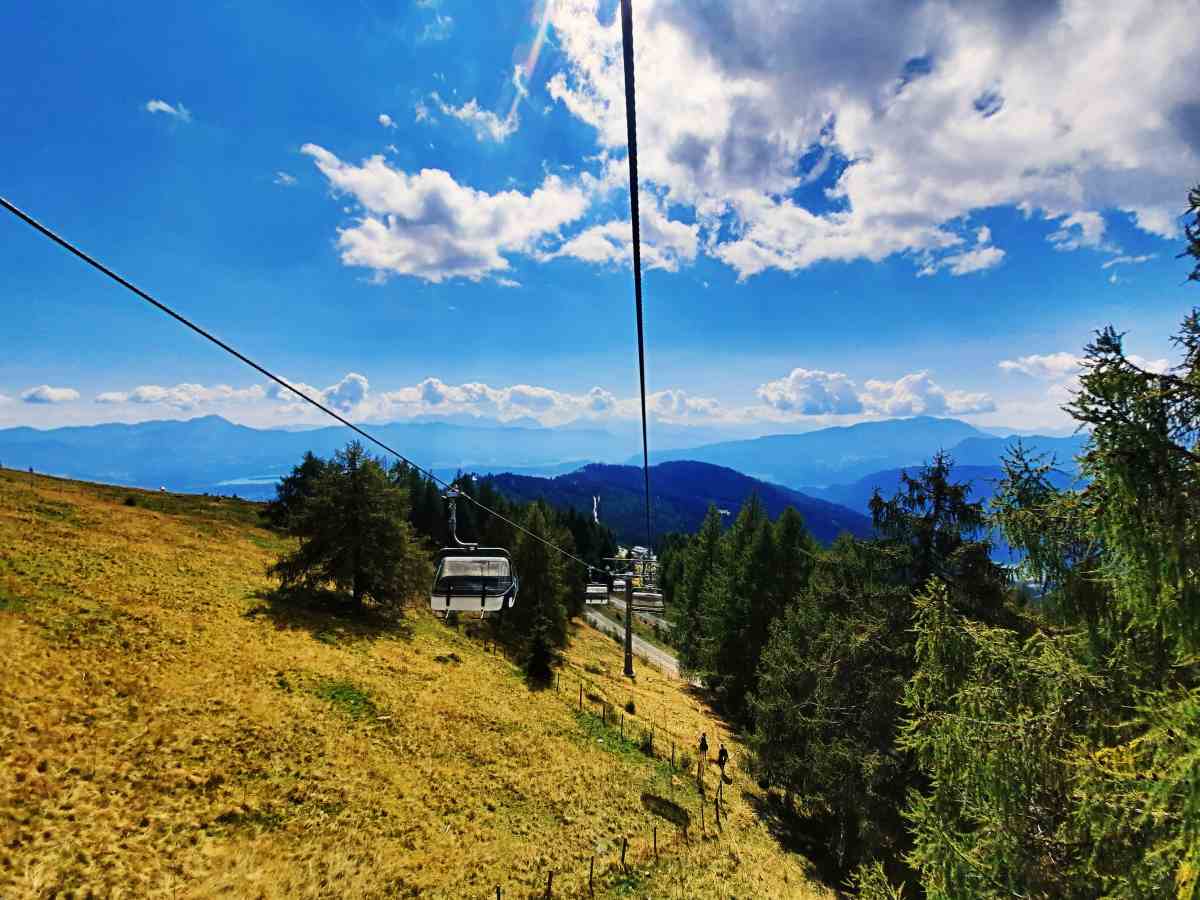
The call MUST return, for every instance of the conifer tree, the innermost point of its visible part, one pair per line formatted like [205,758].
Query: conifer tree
[699,561]
[538,622]
[355,535]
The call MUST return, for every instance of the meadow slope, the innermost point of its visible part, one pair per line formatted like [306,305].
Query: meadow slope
[168,729]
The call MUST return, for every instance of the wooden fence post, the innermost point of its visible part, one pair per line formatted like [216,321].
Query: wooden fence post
[656,843]
[672,755]
[581,696]
[624,847]
[622,726]
[591,874]
[497,892]
[549,885]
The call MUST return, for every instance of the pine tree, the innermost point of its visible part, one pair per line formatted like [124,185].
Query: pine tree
[699,560]
[538,622]
[355,535]
[294,490]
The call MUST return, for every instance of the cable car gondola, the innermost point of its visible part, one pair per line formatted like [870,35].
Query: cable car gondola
[648,601]
[596,594]
[471,578]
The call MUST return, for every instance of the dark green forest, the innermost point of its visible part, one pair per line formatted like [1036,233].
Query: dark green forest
[933,724]
[366,534]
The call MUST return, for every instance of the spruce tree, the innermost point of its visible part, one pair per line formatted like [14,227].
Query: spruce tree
[355,536]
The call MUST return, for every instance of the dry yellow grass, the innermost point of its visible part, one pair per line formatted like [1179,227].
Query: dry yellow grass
[166,731]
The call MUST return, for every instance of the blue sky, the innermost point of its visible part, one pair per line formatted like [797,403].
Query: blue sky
[420,208]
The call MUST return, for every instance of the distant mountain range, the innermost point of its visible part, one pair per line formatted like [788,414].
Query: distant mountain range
[857,494]
[842,455]
[681,491]
[214,455]
[210,454]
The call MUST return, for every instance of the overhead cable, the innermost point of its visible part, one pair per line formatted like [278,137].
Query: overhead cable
[183,320]
[631,128]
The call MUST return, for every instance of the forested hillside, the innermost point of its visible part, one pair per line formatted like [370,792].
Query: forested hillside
[926,724]
[682,492]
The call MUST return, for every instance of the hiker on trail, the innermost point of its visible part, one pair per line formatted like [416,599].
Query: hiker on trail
[722,758]
[702,758]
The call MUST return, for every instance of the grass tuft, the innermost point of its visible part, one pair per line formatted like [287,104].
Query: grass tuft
[347,696]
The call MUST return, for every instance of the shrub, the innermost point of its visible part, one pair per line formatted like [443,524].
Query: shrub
[131,500]
[630,707]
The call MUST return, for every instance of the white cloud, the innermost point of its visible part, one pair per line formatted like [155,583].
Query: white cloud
[680,406]
[284,179]
[421,112]
[811,392]
[183,396]
[964,262]
[4,398]
[666,243]
[1081,229]
[386,121]
[44,394]
[178,111]
[1071,109]
[487,125]
[347,393]
[917,394]
[429,226]
[1128,260]
[1045,366]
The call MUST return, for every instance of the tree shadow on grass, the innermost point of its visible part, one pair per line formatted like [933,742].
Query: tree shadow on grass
[799,834]
[328,616]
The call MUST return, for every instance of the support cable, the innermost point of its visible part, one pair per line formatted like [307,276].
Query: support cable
[101,267]
[631,128]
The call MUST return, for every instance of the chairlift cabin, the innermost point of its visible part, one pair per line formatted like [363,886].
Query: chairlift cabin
[470,578]
[596,594]
[648,601]
[473,579]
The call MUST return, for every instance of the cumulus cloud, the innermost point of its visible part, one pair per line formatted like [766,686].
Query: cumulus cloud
[812,392]
[1046,366]
[183,396]
[678,406]
[178,111]
[427,225]
[1062,366]
[386,121]
[917,394]
[283,179]
[913,121]
[666,243]
[45,394]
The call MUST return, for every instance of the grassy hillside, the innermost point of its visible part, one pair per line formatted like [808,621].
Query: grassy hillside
[166,729]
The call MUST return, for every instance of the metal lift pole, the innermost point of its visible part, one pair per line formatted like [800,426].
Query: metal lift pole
[629,626]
